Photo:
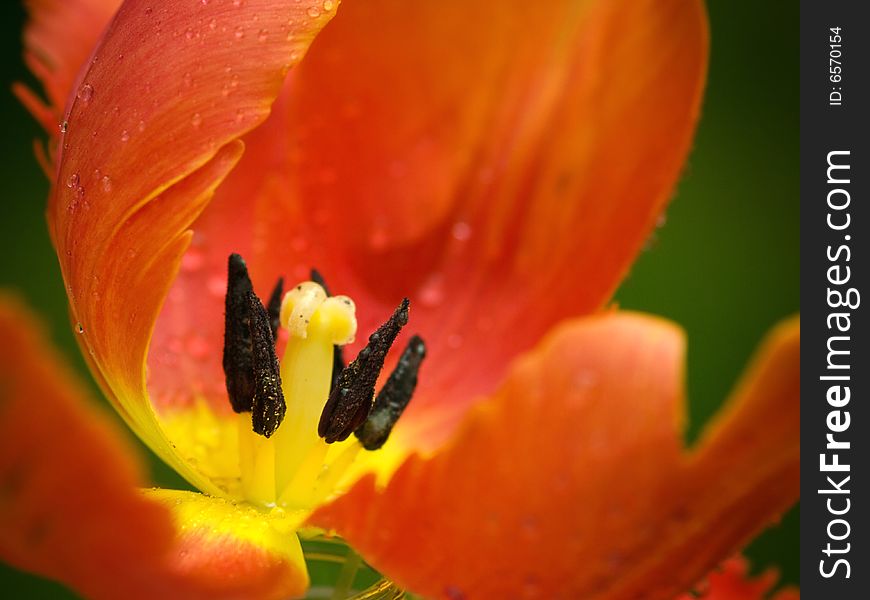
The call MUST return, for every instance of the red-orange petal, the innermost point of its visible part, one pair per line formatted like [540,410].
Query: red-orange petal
[500,164]
[153,122]
[572,481]
[69,507]
[71,510]
[731,581]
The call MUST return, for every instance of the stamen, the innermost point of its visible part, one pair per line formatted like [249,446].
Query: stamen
[317,278]
[338,363]
[393,397]
[238,360]
[274,308]
[268,405]
[351,400]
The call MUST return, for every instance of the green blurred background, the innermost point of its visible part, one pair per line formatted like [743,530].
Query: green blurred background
[725,264]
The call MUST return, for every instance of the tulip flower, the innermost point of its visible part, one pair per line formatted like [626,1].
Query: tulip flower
[496,165]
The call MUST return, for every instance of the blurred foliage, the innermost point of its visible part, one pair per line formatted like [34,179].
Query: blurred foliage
[724,264]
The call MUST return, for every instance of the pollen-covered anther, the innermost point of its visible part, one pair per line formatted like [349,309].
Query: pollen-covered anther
[238,351]
[351,399]
[394,397]
[268,406]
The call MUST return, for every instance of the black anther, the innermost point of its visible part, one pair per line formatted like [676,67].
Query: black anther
[238,353]
[350,401]
[317,278]
[393,397]
[268,405]
[274,308]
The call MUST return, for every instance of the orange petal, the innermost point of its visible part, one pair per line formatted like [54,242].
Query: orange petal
[732,582]
[55,50]
[501,175]
[572,481]
[153,124]
[70,508]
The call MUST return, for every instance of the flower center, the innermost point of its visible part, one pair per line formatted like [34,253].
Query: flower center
[296,416]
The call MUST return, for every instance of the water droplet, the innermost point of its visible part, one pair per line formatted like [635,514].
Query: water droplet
[432,292]
[328,5]
[217,286]
[187,79]
[461,231]
[313,12]
[73,181]
[530,526]
[379,238]
[532,587]
[263,35]
[141,126]
[660,222]
[189,33]
[192,261]
[64,126]
[198,347]
[212,24]
[125,136]
[106,183]
[454,593]
[80,328]
[238,3]
[204,2]
[85,93]
[240,32]
[196,120]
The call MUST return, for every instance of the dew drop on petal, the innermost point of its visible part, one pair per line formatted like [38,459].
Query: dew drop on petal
[328,5]
[85,93]
[432,292]
[192,261]
[80,328]
[106,183]
[461,231]
[454,593]
[73,181]
[378,238]
[661,220]
[240,32]
[217,286]
[64,126]
[125,136]
[197,347]
[313,12]
[196,120]
[263,35]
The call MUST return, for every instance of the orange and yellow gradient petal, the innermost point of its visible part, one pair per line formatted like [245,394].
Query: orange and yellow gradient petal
[572,480]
